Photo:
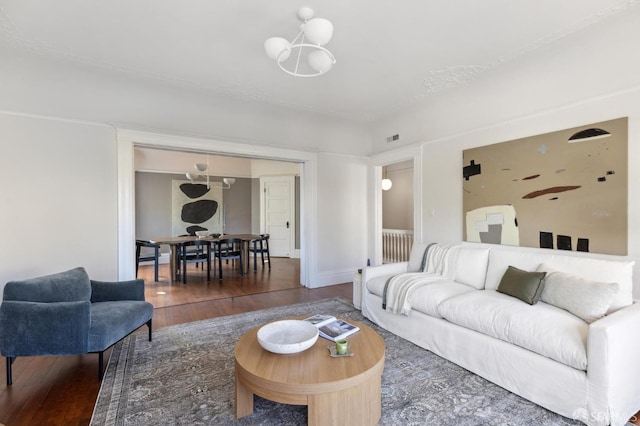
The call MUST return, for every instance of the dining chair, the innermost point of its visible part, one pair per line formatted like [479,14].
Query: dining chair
[228,249]
[197,252]
[259,245]
[144,257]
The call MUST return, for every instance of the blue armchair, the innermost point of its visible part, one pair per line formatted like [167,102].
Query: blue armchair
[69,314]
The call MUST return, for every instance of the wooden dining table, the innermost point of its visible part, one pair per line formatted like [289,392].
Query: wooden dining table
[174,242]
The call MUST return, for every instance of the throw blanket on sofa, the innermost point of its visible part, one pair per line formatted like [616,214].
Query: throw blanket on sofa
[398,287]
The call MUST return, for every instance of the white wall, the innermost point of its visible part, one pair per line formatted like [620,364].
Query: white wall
[48,86]
[594,62]
[342,218]
[59,196]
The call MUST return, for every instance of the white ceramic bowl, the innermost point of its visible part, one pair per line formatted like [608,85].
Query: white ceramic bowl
[202,233]
[287,336]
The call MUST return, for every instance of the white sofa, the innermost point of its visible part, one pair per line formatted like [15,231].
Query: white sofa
[546,354]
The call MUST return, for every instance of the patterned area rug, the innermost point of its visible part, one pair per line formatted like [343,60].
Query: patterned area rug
[185,377]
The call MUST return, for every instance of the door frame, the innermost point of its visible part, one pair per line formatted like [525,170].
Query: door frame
[377,162]
[292,208]
[127,140]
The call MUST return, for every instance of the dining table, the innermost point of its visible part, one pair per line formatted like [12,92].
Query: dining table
[175,242]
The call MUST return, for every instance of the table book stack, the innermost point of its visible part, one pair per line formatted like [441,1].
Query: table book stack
[332,328]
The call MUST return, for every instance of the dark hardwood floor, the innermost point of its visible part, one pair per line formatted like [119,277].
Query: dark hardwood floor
[63,390]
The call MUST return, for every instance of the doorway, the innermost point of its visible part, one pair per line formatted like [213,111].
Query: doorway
[400,159]
[397,211]
[128,140]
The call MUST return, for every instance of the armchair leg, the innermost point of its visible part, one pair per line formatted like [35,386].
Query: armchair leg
[100,365]
[149,324]
[10,360]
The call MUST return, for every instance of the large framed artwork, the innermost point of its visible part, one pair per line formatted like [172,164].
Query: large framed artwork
[565,190]
[196,207]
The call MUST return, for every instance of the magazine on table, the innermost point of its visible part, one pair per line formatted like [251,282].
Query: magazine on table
[332,328]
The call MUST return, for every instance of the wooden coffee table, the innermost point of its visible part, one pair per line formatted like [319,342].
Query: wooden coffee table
[345,390]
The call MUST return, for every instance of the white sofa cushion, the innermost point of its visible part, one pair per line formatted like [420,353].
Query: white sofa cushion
[427,298]
[541,328]
[529,259]
[586,299]
[471,266]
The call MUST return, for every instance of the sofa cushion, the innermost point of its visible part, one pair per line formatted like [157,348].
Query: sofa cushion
[526,286]
[529,259]
[112,321]
[427,298]
[541,328]
[586,299]
[471,266]
[69,286]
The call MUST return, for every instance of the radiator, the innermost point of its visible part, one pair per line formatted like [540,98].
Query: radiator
[396,245]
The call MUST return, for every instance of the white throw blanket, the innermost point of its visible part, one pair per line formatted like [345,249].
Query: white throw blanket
[399,287]
[438,259]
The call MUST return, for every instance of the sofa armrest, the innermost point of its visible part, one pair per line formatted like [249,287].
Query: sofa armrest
[387,269]
[613,346]
[106,291]
[33,328]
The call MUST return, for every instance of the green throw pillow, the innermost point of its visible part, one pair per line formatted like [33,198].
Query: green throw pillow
[526,286]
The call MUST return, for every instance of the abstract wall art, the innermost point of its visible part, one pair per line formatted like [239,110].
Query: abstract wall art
[196,207]
[565,190]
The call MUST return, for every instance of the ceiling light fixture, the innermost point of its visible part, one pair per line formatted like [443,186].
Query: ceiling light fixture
[318,32]
[200,167]
[228,182]
[386,182]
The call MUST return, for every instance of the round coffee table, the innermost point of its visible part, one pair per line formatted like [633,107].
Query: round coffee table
[343,390]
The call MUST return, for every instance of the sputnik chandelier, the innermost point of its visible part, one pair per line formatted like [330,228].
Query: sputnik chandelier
[314,34]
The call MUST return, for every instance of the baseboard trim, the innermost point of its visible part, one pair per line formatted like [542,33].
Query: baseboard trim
[332,278]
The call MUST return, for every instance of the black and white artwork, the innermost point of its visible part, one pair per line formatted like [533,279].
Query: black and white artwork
[196,207]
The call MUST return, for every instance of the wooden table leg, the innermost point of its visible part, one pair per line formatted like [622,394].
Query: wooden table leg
[359,405]
[173,261]
[244,399]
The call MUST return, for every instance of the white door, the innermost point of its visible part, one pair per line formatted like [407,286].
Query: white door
[277,213]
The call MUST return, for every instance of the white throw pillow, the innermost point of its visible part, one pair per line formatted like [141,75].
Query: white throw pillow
[586,299]
[471,266]
[416,257]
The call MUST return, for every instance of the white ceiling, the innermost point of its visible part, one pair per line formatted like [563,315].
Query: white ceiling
[390,55]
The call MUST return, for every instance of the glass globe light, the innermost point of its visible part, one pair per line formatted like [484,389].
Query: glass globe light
[318,31]
[274,46]
[320,61]
[386,184]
